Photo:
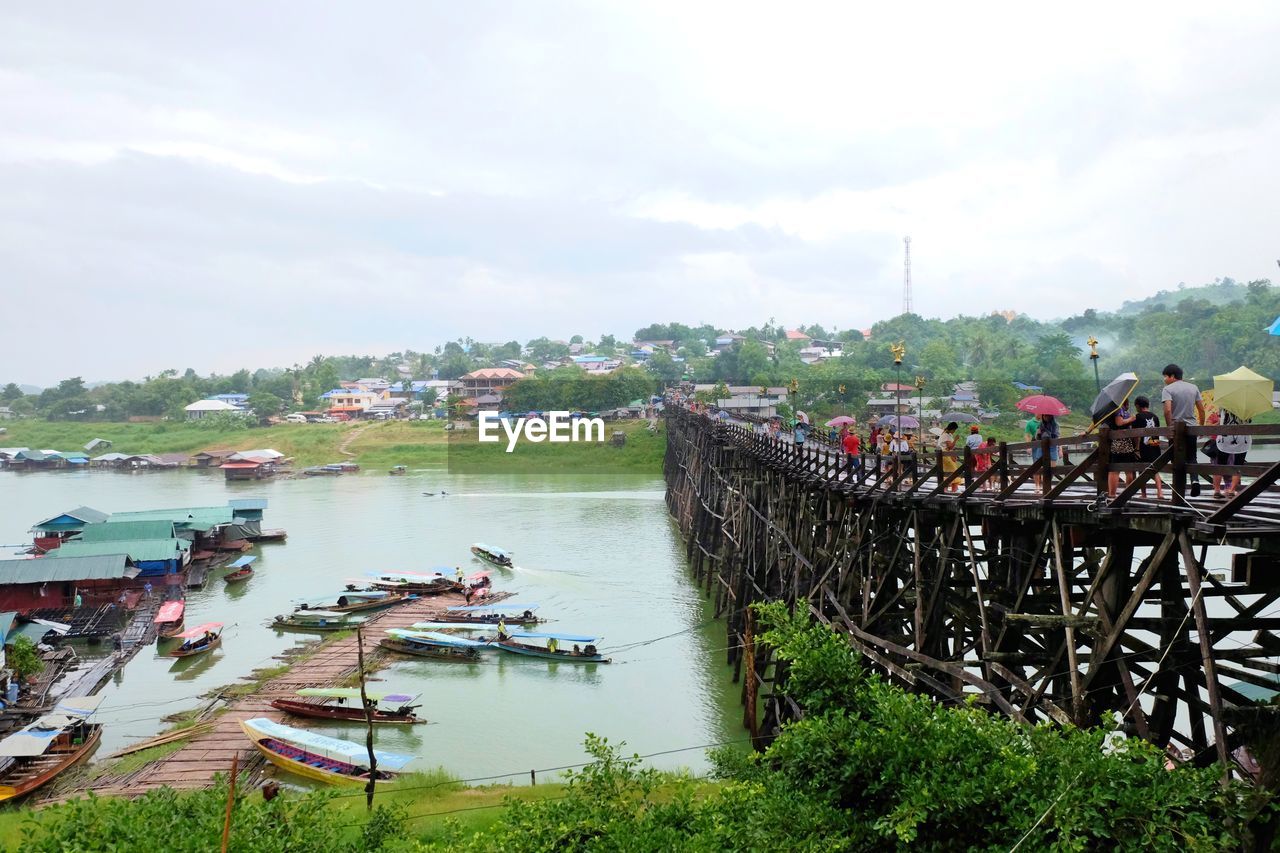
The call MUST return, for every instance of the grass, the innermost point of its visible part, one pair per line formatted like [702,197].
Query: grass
[379,444]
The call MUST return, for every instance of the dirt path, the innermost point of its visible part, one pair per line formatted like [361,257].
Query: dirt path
[195,764]
[349,438]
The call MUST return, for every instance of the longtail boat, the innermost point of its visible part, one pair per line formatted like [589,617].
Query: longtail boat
[35,755]
[314,620]
[398,471]
[315,756]
[491,554]
[241,570]
[401,711]
[430,644]
[436,584]
[492,614]
[169,618]
[198,640]
[550,650]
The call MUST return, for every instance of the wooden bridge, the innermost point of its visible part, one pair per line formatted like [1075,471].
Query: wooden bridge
[1023,587]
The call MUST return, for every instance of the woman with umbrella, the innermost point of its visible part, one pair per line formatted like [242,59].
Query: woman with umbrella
[947,443]
[1047,410]
[1111,409]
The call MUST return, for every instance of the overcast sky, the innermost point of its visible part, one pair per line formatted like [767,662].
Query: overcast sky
[216,186]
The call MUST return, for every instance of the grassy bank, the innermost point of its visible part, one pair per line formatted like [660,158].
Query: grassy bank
[375,444]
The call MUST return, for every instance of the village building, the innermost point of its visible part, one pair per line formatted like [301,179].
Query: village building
[749,399]
[489,380]
[152,557]
[204,408]
[211,458]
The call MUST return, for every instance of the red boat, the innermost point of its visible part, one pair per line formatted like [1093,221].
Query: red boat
[403,714]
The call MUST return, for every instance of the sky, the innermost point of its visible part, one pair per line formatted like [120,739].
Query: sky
[244,185]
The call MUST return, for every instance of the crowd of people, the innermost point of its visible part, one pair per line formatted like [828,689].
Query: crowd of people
[899,449]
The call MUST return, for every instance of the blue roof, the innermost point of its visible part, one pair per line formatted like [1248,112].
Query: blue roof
[434,639]
[242,562]
[1022,386]
[545,635]
[247,503]
[492,549]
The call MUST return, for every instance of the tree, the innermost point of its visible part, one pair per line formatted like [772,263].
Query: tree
[576,339]
[265,405]
[10,393]
[665,367]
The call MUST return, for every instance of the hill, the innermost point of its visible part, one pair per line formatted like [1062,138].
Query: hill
[1224,291]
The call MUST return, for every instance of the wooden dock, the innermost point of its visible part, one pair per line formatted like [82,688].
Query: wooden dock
[196,764]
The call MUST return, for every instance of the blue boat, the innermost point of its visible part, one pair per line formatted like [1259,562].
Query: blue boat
[583,651]
[492,614]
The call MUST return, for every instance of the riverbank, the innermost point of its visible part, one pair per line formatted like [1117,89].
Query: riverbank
[416,444]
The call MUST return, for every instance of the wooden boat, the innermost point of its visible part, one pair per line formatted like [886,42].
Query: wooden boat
[314,621]
[398,471]
[314,756]
[430,644]
[401,712]
[359,600]
[38,753]
[242,570]
[278,534]
[490,554]
[169,619]
[198,640]
[584,653]
[417,584]
[492,614]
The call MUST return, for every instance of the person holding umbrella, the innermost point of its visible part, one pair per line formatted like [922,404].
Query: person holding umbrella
[947,443]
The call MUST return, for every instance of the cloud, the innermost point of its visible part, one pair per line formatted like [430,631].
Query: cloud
[259,183]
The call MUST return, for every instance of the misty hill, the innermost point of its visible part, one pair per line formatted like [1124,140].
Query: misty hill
[1224,291]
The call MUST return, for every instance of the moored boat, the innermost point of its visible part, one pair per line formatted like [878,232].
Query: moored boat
[398,710]
[492,554]
[398,471]
[314,621]
[419,584]
[431,644]
[198,640]
[583,651]
[37,754]
[492,614]
[317,757]
[169,619]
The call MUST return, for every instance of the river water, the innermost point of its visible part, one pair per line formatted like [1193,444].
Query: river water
[599,553]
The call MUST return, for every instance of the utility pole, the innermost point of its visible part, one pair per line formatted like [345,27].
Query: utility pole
[368,718]
[906,278]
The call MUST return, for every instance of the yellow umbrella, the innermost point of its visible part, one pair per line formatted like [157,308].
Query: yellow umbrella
[1243,393]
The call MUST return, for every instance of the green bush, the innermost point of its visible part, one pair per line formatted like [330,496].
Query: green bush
[24,659]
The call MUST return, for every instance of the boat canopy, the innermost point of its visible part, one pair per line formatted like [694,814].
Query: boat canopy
[345,751]
[318,614]
[434,639]
[500,607]
[36,738]
[412,576]
[170,611]
[200,630]
[243,562]
[545,635]
[354,693]
[491,549]
[454,626]
[364,593]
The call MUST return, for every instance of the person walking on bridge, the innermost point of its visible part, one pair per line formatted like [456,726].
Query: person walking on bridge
[852,453]
[1182,402]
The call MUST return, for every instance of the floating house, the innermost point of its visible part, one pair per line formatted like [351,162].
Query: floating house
[50,532]
[44,582]
[152,557]
[211,458]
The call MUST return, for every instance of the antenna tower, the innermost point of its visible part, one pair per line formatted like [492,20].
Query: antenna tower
[906,277]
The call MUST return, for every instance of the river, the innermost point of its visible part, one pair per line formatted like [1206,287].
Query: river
[599,553]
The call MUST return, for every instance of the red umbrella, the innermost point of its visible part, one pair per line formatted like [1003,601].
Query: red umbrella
[1043,404]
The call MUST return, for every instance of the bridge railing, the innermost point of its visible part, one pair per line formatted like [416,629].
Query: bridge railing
[1067,468]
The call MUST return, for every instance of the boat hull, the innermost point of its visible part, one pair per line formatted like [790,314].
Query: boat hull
[339,712]
[566,657]
[360,606]
[169,630]
[311,627]
[24,778]
[238,576]
[453,655]
[302,768]
[187,653]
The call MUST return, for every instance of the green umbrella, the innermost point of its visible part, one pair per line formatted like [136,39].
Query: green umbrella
[1243,393]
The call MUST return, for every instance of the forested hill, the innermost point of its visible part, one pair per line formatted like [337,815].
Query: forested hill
[1221,292]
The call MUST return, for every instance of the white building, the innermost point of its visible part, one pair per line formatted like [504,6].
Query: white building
[204,408]
[749,399]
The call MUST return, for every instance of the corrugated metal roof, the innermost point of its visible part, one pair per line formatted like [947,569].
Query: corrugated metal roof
[181,516]
[48,570]
[247,503]
[138,550]
[124,531]
[82,514]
